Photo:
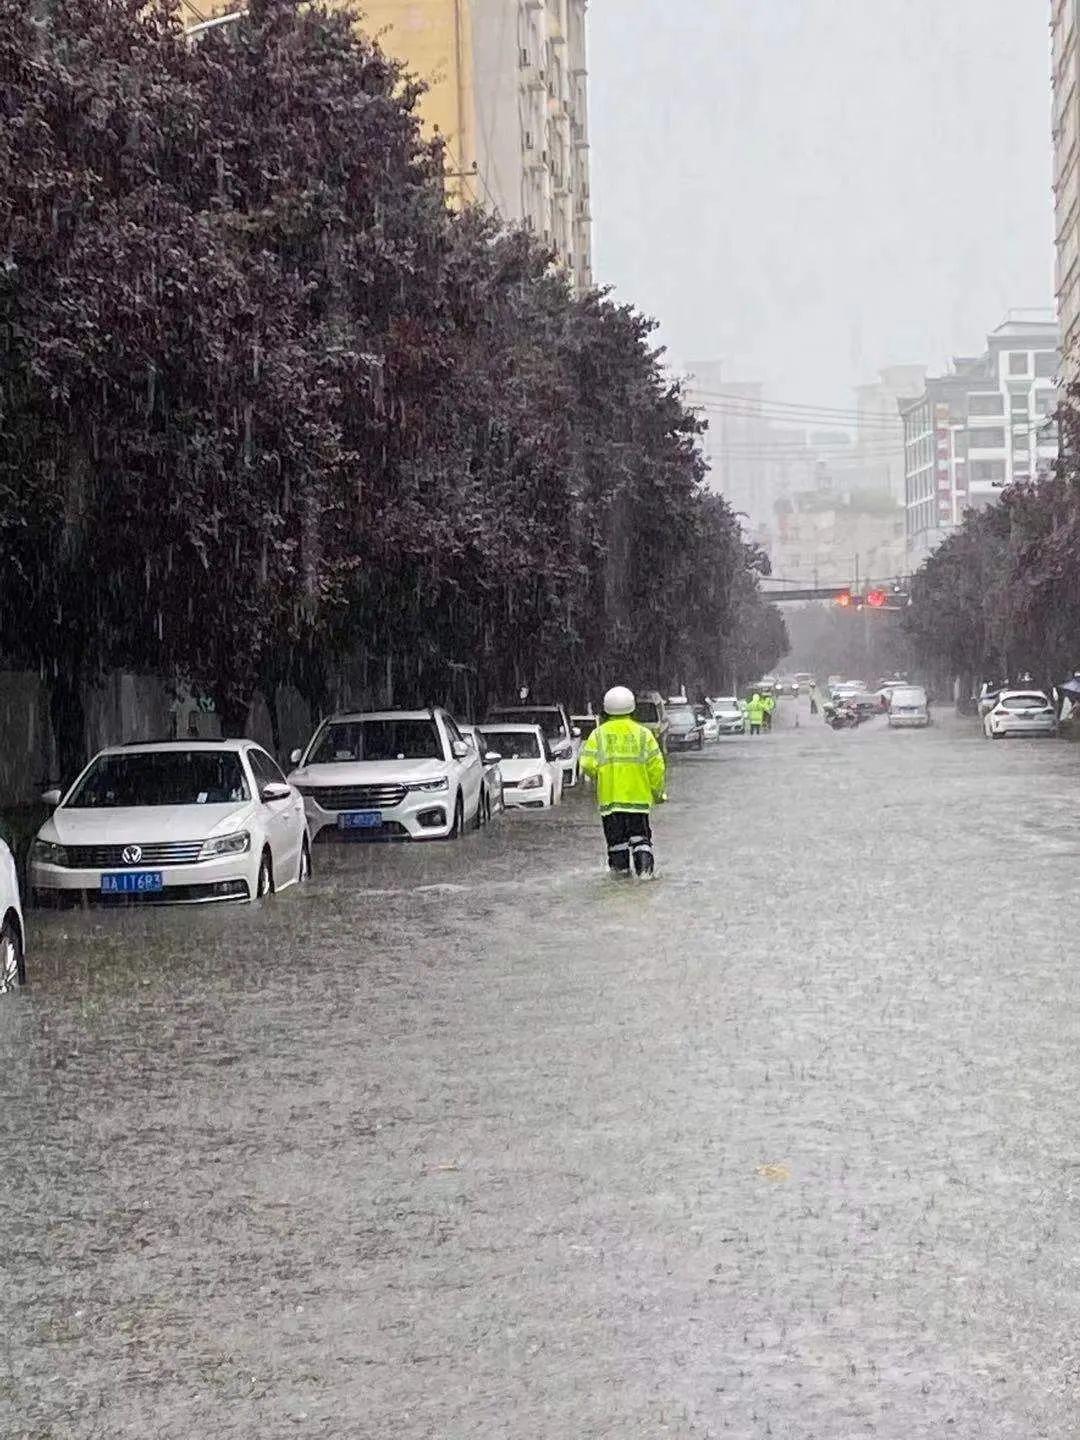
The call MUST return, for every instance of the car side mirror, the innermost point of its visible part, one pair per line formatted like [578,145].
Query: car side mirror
[275,790]
[51,798]
[492,757]
[295,756]
[460,750]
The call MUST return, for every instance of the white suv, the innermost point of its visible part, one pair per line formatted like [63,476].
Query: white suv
[390,774]
[182,820]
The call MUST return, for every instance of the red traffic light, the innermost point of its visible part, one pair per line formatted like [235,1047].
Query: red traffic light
[876,598]
[844,598]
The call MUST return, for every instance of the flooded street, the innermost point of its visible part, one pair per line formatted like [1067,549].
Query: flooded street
[472,1140]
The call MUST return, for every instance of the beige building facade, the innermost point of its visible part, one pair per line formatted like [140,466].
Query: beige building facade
[508,96]
[1065,31]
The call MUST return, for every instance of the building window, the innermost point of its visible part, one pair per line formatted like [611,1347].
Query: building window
[1046,363]
[1045,402]
[986,470]
[992,404]
[1018,362]
[992,437]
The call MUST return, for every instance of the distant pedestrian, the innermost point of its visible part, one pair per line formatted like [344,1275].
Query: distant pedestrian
[813,697]
[628,767]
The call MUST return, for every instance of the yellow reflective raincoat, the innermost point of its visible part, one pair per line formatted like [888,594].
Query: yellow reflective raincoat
[627,765]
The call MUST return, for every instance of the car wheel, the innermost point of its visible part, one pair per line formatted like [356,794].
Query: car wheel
[305,861]
[264,885]
[12,958]
[701,742]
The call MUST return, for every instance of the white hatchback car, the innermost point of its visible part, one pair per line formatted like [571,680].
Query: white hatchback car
[1021,712]
[730,716]
[390,774]
[12,930]
[533,775]
[175,821]
[908,707]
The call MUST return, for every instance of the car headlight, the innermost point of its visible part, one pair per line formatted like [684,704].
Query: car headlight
[48,853]
[532,782]
[238,844]
[428,787]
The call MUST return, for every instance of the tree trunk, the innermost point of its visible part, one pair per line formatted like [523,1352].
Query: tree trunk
[68,716]
[233,713]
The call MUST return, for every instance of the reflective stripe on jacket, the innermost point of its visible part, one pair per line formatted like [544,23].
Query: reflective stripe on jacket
[627,765]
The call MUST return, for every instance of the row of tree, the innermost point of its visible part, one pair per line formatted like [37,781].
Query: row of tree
[1001,596]
[266,400]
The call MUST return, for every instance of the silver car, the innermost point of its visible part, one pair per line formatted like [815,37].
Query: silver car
[908,707]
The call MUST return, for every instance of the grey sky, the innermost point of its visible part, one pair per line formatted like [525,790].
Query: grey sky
[811,189]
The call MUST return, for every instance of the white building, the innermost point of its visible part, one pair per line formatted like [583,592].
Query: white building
[986,425]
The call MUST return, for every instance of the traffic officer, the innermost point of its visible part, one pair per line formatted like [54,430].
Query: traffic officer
[627,764]
[768,702]
[755,713]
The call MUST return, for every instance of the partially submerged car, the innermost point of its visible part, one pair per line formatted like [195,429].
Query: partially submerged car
[173,821]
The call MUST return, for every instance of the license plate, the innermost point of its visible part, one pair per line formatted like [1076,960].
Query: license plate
[132,882]
[360,820]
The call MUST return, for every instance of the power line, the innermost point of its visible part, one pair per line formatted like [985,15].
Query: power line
[800,405]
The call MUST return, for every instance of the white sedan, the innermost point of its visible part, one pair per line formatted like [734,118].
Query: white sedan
[1020,712]
[12,930]
[176,821]
[532,772]
[390,775]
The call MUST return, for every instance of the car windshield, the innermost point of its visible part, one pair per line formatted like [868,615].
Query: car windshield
[550,721]
[513,744]
[161,777]
[1025,702]
[908,697]
[647,712]
[682,714]
[346,740]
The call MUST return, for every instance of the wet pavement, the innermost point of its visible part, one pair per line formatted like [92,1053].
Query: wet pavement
[470,1140]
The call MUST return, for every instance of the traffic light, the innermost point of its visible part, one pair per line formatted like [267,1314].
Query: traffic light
[844,598]
[876,599]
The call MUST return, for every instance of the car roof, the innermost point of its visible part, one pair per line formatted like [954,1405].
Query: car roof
[1012,694]
[512,727]
[353,715]
[152,747]
[516,709]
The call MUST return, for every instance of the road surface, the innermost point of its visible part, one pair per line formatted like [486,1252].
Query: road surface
[473,1141]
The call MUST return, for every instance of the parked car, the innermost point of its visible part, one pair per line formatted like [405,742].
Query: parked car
[554,721]
[391,775]
[710,728]
[12,929]
[532,773]
[685,730]
[786,685]
[652,713]
[492,802]
[908,706]
[730,715]
[1021,712]
[584,725]
[173,821]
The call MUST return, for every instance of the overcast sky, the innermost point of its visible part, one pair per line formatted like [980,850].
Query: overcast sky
[810,189]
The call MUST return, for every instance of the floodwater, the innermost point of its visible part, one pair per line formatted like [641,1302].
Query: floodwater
[472,1141]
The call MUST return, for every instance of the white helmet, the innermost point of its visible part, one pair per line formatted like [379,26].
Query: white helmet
[619,701]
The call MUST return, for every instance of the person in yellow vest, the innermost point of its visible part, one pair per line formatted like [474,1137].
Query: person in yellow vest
[627,764]
[769,705]
[755,713]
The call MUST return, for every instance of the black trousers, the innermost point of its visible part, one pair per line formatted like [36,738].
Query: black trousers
[628,836]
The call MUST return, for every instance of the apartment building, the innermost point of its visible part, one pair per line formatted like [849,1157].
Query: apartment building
[986,425]
[508,96]
[1065,32]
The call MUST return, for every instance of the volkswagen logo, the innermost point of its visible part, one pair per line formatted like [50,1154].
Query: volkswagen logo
[131,854]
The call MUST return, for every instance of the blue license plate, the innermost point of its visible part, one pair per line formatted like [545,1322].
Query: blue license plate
[132,882]
[360,820]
